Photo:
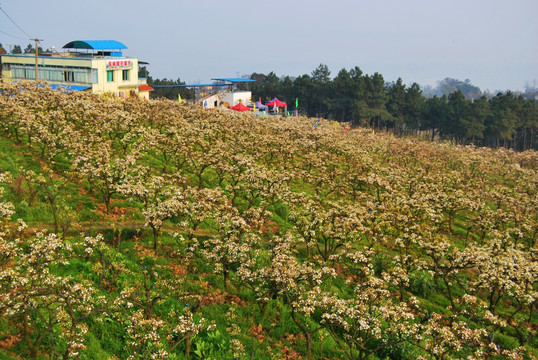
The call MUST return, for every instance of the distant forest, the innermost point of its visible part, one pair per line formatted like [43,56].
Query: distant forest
[453,110]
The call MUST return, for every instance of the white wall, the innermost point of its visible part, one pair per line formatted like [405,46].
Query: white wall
[233,98]
[118,85]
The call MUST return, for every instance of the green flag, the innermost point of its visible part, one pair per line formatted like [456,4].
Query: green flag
[296,103]
[179,97]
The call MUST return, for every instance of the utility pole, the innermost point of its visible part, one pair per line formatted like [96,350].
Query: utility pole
[36,46]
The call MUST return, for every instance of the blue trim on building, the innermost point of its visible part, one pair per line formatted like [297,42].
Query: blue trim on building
[83,58]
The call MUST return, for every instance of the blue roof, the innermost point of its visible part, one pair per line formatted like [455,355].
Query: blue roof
[183,85]
[234,80]
[95,45]
[69,87]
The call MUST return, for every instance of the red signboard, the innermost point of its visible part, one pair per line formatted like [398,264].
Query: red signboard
[119,64]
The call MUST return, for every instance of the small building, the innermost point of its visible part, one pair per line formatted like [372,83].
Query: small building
[226,99]
[236,97]
[229,97]
[94,65]
[143,88]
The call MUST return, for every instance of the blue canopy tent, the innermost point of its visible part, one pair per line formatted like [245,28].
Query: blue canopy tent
[260,106]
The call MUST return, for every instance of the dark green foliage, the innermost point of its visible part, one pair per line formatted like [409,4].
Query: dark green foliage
[281,210]
[212,346]
[457,110]
[107,336]
[421,285]
[169,92]
[381,264]
[398,350]
[16,49]
[94,349]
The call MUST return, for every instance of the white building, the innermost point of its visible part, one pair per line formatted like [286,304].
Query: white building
[229,97]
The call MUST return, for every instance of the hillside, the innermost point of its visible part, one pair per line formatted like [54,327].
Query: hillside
[148,229]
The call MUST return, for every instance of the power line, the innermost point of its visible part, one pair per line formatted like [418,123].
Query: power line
[13,36]
[14,22]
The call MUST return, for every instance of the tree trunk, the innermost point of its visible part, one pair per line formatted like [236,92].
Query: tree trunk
[155,237]
[226,275]
[188,346]
[32,348]
[106,199]
[54,215]
[306,334]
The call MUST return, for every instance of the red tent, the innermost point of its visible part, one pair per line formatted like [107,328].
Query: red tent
[276,102]
[240,107]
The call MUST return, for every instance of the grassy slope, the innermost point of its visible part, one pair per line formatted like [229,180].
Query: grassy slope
[271,333]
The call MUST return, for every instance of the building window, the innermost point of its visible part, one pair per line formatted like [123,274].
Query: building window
[54,73]
[69,76]
[125,75]
[94,77]
[110,75]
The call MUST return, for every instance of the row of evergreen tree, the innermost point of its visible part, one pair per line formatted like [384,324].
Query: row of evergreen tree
[17,49]
[466,115]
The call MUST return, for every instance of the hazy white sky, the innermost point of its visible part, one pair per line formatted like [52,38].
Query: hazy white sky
[493,43]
